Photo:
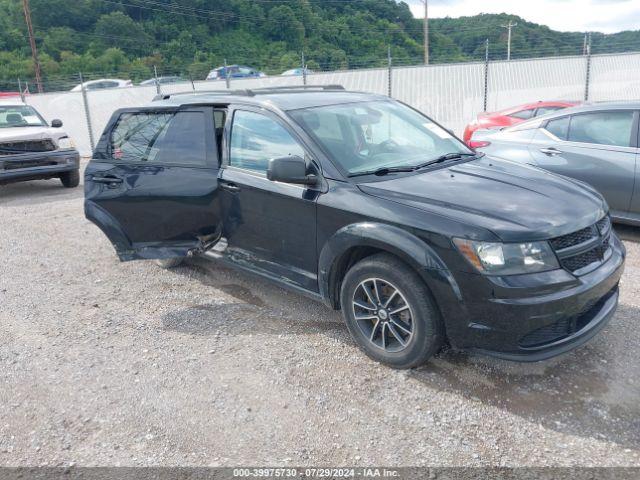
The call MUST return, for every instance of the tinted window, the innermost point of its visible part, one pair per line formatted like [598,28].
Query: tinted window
[178,138]
[544,110]
[604,128]
[219,118]
[523,114]
[559,127]
[256,139]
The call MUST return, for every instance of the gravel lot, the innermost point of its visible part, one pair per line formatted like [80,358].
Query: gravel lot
[108,363]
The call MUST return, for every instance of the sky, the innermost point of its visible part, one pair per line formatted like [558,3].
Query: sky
[606,16]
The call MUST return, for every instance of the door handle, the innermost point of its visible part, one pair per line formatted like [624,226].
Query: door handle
[550,151]
[230,187]
[108,180]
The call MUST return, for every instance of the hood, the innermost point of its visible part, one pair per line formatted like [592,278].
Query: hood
[17,134]
[516,202]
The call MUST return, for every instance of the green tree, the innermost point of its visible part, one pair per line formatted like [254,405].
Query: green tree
[282,24]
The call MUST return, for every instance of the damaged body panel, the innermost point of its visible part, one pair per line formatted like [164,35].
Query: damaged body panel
[369,206]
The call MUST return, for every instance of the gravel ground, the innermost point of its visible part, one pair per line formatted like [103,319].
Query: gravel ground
[108,363]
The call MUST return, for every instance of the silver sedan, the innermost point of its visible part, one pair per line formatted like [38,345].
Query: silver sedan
[597,144]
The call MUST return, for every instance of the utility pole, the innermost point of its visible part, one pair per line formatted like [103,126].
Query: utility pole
[509,27]
[32,42]
[426,31]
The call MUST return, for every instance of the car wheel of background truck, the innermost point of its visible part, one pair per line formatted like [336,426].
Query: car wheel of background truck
[70,179]
[170,262]
[389,312]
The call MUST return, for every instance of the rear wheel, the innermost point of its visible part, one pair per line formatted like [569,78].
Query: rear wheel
[389,312]
[168,263]
[70,179]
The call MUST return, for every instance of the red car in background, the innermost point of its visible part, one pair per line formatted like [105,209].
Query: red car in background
[512,116]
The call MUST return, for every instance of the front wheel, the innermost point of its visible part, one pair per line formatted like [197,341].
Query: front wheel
[70,179]
[389,312]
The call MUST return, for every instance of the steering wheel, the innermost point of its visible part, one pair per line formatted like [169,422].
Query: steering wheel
[385,146]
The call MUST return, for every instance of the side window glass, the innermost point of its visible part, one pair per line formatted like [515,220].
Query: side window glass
[603,128]
[160,137]
[559,127]
[256,139]
[219,119]
[523,114]
[185,140]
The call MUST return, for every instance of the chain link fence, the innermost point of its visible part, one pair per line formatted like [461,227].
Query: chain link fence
[453,94]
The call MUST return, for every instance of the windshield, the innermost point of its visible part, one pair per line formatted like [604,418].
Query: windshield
[369,136]
[19,116]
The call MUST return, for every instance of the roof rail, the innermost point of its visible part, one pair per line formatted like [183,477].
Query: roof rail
[253,92]
[293,89]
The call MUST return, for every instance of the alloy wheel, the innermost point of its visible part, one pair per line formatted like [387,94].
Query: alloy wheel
[383,314]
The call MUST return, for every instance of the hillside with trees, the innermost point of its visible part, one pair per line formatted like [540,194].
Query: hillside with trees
[189,37]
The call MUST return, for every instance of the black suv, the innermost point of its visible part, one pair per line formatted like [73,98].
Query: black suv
[362,202]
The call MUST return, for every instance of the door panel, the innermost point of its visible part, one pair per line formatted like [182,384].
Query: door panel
[609,169]
[156,200]
[272,225]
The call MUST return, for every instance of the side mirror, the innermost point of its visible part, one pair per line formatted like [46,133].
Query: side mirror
[56,123]
[291,169]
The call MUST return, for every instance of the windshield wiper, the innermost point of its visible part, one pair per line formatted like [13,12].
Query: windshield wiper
[381,172]
[444,158]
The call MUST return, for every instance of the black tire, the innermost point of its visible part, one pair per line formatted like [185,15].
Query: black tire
[420,315]
[70,179]
[168,263]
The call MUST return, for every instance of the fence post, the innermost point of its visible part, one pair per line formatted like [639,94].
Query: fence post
[87,112]
[193,85]
[588,72]
[304,70]
[389,72]
[226,74]
[20,90]
[155,75]
[486,74]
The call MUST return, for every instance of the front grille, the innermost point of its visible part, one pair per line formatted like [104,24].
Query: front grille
[585,259]
[15,148]
[583,248]
[567,326]
[28,164]
[575,238]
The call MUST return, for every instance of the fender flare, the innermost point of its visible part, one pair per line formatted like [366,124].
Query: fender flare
[389,238]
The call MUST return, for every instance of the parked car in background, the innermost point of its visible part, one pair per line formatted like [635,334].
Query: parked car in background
[234,71]
[30,149]
[10,95]
[164,80]
[513,116]
[296,72]
[596,144]
[359,201]
[103,84]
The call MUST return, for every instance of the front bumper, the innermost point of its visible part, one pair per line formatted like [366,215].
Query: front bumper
[37,165]
[536,317]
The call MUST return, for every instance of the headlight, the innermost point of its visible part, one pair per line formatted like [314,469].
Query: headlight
[65,143]
[508,258]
